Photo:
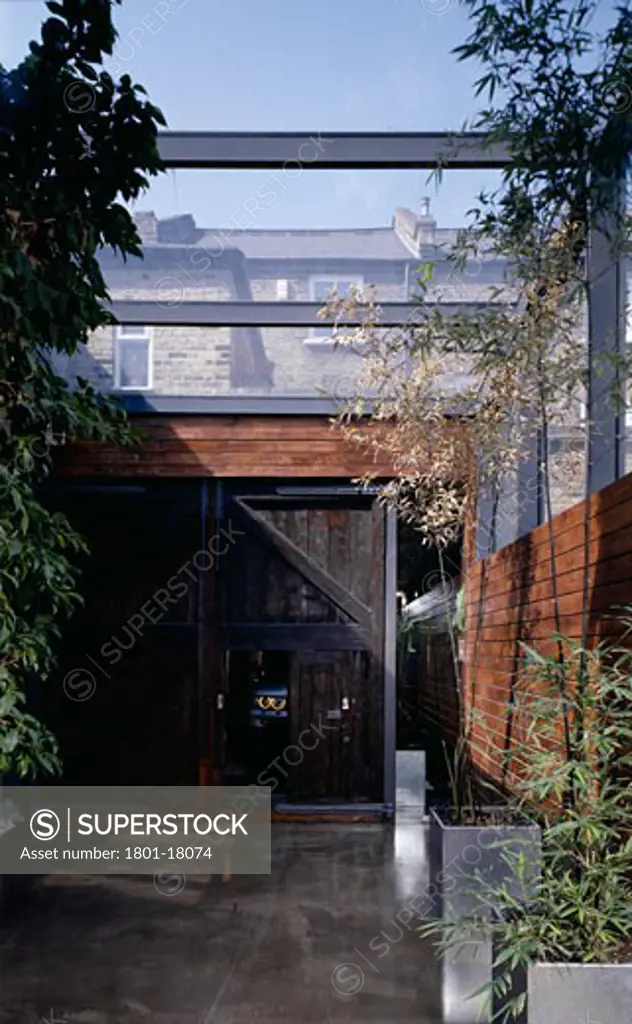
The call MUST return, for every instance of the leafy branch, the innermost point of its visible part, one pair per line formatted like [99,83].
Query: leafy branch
[66,168]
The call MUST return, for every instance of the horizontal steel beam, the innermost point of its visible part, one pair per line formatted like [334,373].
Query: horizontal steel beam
[271,314]
[294,151]
[230,405]
[291,497]
[288,810]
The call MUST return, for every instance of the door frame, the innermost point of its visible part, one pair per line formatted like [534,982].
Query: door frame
[288,494]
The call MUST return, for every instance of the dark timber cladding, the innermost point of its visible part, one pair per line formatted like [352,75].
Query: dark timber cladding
[139,648]
[310,581]
[187,584]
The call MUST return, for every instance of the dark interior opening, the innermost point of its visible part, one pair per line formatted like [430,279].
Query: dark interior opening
[425,649]
[257,713]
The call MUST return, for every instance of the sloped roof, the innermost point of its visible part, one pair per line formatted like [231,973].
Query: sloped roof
[360,244]
[385,243]
[162,263]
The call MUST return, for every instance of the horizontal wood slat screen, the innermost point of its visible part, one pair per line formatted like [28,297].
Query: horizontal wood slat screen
[225,446]
[509,600]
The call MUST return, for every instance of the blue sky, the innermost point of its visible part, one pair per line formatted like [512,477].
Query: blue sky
[284,64]
[331,65]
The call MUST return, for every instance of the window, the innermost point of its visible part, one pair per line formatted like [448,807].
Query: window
[133,358]
[132,331]
[320,291]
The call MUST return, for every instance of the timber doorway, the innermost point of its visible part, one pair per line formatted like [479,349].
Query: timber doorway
[303,606]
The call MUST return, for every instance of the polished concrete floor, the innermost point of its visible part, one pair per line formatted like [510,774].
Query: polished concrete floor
[317,941]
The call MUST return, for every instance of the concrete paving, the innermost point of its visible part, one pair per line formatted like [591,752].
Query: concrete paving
[317,941]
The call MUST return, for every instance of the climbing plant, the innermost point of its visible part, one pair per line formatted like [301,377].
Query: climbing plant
[75,147]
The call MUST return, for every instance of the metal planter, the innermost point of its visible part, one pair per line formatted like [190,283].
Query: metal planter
[462,856]
[572,994]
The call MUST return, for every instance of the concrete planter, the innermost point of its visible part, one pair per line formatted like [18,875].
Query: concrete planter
[572,994]
[463,855]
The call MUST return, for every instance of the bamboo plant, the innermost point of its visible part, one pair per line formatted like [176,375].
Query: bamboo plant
[580,907]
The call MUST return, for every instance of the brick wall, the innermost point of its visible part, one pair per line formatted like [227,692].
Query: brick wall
[195,360]
[186,360]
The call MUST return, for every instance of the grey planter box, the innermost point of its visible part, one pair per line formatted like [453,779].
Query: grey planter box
[573,994]
[462,855]
[410,783]
[464,970]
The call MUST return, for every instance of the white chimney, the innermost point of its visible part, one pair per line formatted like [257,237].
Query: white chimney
[425,206]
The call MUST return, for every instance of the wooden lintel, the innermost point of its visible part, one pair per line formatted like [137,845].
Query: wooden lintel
[294,636]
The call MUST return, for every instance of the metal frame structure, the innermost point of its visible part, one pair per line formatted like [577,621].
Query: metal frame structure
[361,151]
[390,659]
[298,151]
[330,150]
[250,313]
[606,345]
[141,403]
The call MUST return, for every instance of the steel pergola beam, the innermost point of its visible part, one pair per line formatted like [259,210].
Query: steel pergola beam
[329,150]
[607,330]
[272,314]
[142,403]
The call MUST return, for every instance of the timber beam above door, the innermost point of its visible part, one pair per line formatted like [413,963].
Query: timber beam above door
[294,636]
[313,573]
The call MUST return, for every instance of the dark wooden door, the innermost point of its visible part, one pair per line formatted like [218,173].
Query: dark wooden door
[134,644]
[307,577]
[333,727]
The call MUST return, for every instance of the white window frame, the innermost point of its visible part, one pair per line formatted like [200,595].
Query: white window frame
[315,338]
[133,332]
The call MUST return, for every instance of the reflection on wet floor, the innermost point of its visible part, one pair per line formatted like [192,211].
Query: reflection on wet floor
[328,937]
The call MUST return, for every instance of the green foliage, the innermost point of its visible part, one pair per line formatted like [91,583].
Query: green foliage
[565,116]
[516,368]
[566,111]
[461,777]
[74,145]
[566,119]
[466,802]
[583,906]
[580,908]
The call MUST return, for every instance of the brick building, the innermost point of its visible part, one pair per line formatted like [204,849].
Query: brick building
[183,261]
